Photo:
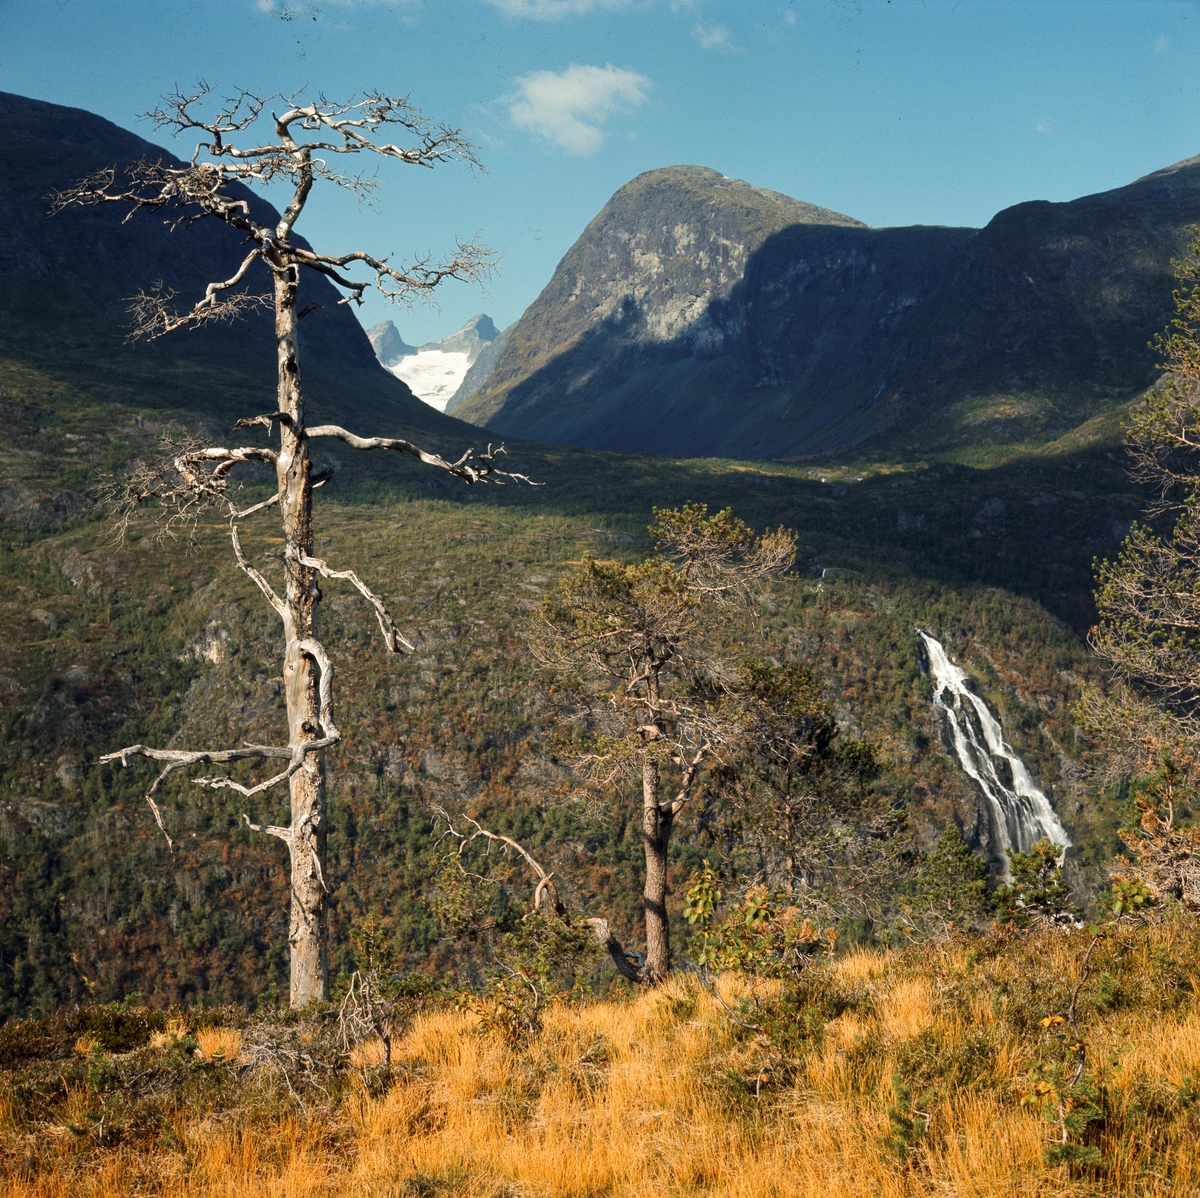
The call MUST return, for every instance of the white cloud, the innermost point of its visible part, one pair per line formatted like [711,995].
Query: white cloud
[569,107]
[553,10]
[714,37]
[1162,43]
[1044,125]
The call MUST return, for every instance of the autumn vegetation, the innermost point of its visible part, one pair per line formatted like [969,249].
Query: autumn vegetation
[838,995]
[947,1068]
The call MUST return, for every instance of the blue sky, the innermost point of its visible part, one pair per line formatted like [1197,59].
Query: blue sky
[901,112]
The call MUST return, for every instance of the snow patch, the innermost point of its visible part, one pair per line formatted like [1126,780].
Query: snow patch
[432,374]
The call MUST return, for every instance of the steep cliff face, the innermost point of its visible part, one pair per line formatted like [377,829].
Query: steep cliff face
[700,316]
[638,286]
[481,369]
[387,343]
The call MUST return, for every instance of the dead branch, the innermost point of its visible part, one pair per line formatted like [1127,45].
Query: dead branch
[471,468]
[153,318]
[284,834]
[391,634]
[177,760]
[262,584]
[630,963]
[202,186]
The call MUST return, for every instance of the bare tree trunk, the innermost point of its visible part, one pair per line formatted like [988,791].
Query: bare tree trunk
[197,477]
[301,672]
[656,837]
[789,860]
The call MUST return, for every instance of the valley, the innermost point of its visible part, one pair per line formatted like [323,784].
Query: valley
[983,537]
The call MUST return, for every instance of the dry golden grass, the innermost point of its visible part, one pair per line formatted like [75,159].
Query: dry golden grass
[219,1043]
[84,1045]
[664,1094]
[368,1054]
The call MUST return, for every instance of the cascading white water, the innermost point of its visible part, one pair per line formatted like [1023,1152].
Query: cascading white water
[1022,813]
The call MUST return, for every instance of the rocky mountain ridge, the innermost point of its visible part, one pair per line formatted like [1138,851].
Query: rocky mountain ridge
[435,371]
[699,316]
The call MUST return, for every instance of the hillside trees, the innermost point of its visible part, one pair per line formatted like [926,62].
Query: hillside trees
[1149,605]
[637,647]
[303,142]
[796,789]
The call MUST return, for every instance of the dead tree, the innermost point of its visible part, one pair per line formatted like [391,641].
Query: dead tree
[629,962]
[306,138]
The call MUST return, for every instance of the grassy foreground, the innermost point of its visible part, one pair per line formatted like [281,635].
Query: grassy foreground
[933,1071]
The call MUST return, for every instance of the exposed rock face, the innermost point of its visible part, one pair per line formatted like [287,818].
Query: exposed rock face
[387,343]
[699,316]
[436,370]
[481,369]
[637,284]
[471,339]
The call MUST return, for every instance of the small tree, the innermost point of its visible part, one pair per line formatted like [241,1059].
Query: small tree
[1149,629]
[638,645]
[1164,854]
[305,137]
[952,891]
[1037,893]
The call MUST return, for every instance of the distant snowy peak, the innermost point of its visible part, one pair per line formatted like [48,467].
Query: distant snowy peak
[432,375]
[435,370]
[469,340]
[387,343]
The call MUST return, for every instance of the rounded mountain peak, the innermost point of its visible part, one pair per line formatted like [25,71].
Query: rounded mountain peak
[734,196]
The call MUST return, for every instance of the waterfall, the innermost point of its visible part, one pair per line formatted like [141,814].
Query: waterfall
[1021,812]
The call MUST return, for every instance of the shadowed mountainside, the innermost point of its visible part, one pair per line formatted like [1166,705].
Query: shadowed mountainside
[818,334]
[65,283]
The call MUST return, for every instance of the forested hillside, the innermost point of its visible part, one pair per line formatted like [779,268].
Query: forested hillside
[114,644]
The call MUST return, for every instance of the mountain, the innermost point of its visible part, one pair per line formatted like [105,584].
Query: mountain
[697,315]
[111,645]
[481,369]
[65,283]
[387,343]
[436,370]
[471,339]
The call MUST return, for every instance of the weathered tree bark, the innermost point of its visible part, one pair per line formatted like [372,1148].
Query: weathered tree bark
[657,821]
[307,924]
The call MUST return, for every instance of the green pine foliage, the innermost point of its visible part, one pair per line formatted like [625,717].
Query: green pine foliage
[952,891]
[1037,890]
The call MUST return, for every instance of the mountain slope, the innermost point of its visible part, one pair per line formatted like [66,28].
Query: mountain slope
[65,282]
[387,343]
[481,369]
[819,334]
[637,285]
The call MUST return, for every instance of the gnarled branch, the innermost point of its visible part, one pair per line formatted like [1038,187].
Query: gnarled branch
[262,584]
[470,468]
[629,963]
[391,634]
